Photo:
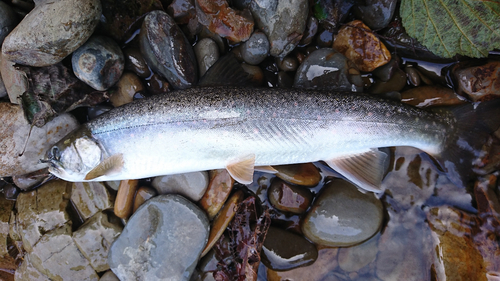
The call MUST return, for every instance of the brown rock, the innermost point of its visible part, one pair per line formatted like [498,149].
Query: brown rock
[5,213]
[289,198]
[90,198]
[430,95]
[217,192]
[124,203]
[143,194]
[478,82]
[305,174]
[356,41]
[127,87]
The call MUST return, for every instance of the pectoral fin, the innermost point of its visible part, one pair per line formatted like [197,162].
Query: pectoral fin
[365,170]
[108,166]
[242,169]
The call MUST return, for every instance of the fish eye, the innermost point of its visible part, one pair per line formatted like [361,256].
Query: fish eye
[56,153]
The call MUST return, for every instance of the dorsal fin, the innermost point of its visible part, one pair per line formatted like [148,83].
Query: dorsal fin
[366,170]
[108,166]
[227,71]
[242,169]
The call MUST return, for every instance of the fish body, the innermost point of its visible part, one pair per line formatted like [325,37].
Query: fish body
[239,129]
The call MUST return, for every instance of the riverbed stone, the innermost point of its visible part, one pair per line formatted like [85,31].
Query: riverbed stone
[26,271]
[342,216]
[207,53]
[375,13]
[90,198]
[162,241]
[256,49]
[289,198]
[52,31]
[42,210]
[14,129]
[218,190]
[94,239]
[57,257]
[191,185]
[481,82]
[15,81]
[305,174]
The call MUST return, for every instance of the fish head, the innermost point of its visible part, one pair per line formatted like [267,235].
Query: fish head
[74,156]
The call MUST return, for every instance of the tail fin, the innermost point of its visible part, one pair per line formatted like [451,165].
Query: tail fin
[474,124]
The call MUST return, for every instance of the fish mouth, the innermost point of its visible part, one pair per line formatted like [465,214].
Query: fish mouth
[54,165]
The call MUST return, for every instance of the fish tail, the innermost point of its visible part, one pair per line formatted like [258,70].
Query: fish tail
[471,128]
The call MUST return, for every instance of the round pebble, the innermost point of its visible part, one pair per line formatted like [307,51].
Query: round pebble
[310,31]
[157,85]
[134,61]
[289,198]
[256,49]
[207,53]
[127,87]
[413,76]
[306,174]
[324,38]
[99,62]
[191,185]
[287,63]
[124,202]
[342,216]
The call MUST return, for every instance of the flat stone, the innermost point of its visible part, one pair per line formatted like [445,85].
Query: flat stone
[342,216]
[14,130]
[94,239]
[57,256]
[42,210]
[161,241]
[90,198]
[52,31]
[26,271]
[15,81]
[191,185]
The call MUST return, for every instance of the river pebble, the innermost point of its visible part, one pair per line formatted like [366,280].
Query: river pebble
[284,250]
[30,180]
[342,216]
[94,238]
[431,95]
[159,34]
[207,53]
[310,31]
[356,41]
[8,20]
[330,70]
[124,204]
[89,198]
[162,240]
[478,82]
[128,87]
[143,194]
[396,83]
[324,38]
[376,14]
[191,185]
[289,198]
[99,62]
[14,80]
[306,174]
[157,85]
[386,71]
[283,22]
[63,25]
[218,190]
[353,259]
[287,63]
[256,49]
[219,18]
[134,61]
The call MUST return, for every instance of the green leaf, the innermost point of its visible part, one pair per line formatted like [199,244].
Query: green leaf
[450,27]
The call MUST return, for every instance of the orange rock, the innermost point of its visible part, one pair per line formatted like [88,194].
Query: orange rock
[125,198]
[143,194]
[427,96]
[305,174]
[217,192]
[356,41]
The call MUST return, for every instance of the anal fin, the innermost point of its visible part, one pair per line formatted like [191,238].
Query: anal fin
[242,169]
[108,166]
[365,170]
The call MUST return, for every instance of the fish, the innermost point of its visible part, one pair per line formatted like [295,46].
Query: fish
[248,129]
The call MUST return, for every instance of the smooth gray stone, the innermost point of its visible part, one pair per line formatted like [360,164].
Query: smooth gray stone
[191,185]
[376,14]
[342,216]
[255,50]
[207,53]
[161,241]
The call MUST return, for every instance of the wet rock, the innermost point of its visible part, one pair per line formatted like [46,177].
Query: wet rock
[90,198]
[305,174]
[42,210]
[396,83]
[256,49]
[222,220]
[287,63]
[478,82]
[182,11]
[14,129]
[99,62]
[167,51]
[376,14]
[5,212]
[325,263]
[14,80]
[134,61]
[218,190]
[413,76]
[310,31]
[207,53]
[256,74]
[431,95]
[109,276]
[51,31]
[330,70]
[26,271]
[352,259]
[28,181]
[191,185]
[219,18]
[157,85]
[94,239]
[283,250]
[356,41]
[124,204]
[289,198]
[8,20]
[57,257]
[386,71]
[283,22]
[284,80]
[162,240]
[332,13]
[143,194]
[127,88]
[324,38]
[342,216]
